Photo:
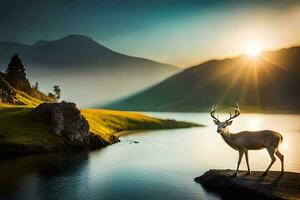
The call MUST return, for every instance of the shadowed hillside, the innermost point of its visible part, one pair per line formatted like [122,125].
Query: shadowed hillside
[268,83]
[15,88]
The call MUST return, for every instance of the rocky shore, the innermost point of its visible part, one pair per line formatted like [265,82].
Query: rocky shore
[254,186]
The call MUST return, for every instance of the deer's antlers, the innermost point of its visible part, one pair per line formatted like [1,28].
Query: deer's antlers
[237,112]
[212,112]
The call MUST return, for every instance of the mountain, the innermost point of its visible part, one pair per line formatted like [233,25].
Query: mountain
[87,72]
[270,82]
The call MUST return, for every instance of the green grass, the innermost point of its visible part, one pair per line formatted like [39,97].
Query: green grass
[108,122]
[27,99]
[20,134]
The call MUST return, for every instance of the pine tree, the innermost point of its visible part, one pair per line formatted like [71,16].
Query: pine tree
[16,76]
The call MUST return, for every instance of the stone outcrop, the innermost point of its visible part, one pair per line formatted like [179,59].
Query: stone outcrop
[65,120]
[254,186]
[7,93]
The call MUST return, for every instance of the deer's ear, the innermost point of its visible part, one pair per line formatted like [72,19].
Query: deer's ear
[216,122]
[229,122]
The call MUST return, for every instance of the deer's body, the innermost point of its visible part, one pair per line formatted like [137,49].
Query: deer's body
[250,140]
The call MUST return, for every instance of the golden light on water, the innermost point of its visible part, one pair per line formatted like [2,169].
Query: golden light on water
[285,144]
[254,123]
[254,50]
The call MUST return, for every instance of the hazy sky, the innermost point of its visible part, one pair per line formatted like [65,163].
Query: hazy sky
[178,32]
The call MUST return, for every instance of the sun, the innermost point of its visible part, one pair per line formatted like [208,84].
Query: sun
[253,50]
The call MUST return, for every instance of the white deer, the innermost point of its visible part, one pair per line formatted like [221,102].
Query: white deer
[249,140]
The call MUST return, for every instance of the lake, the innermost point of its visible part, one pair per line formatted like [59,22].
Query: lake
[162,165]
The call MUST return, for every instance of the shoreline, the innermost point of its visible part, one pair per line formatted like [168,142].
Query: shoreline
[7,155]
[23,135]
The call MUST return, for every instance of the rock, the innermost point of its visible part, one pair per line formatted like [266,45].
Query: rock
[133,142]
[96,141]
[7,93]
[253,186]
[66,120]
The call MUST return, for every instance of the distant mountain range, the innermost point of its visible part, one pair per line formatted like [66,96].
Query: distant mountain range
[87,72]
[268,83]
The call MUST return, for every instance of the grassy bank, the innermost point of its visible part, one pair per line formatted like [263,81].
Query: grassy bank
[108,122]
[20,134]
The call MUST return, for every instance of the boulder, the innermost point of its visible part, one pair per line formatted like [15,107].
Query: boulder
[273,186]
[65,120]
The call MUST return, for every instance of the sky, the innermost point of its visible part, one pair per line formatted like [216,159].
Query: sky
[178,32]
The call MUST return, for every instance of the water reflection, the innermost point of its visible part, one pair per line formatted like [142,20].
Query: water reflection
[28,177]
[161,166]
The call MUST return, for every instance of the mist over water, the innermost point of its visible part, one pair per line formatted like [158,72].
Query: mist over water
[162,165]
[101,86]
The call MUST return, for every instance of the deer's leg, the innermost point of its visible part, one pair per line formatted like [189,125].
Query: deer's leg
[241,153]
[271,151]
[281,157]
[247,161]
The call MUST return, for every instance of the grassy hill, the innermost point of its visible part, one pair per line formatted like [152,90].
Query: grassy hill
[25,94]
[27,99]
[23,99]
[268,83]
[20,134]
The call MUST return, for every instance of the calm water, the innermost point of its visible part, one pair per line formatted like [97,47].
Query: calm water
[161,166]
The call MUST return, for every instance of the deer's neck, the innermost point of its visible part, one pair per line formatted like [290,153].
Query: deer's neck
[228,138]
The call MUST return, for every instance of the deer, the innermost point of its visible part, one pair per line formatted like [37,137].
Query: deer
[248,140]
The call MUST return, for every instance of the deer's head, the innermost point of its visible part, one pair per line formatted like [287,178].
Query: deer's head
[222,125]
